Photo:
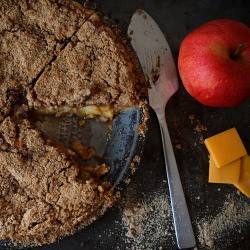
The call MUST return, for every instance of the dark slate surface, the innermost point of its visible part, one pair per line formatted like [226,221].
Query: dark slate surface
[176,19]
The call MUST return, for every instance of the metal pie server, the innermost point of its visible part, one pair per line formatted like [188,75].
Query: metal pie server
[159,69]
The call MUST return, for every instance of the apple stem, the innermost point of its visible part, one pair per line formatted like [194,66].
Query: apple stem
[236,52]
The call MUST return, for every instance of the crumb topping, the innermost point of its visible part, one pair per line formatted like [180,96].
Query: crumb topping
[43,193]
[55,54]
[31,35]
[95,60]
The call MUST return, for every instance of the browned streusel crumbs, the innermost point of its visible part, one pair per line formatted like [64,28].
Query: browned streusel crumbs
[31,34]
[135,162]
[42,194]
[94,60]
[143,127]
[137,159]
[199,128]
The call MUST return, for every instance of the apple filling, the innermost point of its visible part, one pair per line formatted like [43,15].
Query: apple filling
[103,113]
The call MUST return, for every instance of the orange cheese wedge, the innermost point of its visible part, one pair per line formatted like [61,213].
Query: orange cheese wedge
[225,147]
[228,174]
[244,181]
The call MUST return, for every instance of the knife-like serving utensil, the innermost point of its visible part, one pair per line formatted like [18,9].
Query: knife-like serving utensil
[159,69]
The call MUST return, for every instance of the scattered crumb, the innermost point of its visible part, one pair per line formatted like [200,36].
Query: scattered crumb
[191,118]
[147,222]
[200,128]
[201,139]
[137,159]
[234,214]
[127,181]
[132,167]
[143,127]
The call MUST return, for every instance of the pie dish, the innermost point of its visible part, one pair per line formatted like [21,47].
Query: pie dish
[58,57]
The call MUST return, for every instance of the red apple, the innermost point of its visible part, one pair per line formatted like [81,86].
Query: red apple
[214,63]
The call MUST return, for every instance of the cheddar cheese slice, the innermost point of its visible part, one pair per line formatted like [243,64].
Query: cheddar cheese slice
[244,181]
[228,174]
[225,147]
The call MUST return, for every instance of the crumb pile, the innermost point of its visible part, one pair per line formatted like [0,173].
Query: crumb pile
[148,223]
[234,214]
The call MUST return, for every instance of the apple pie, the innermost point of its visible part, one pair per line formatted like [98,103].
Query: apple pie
[57,57]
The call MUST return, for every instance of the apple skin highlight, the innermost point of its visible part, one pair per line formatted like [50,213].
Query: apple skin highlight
[211,68]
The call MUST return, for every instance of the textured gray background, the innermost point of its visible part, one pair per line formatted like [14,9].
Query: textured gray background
[176,19]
